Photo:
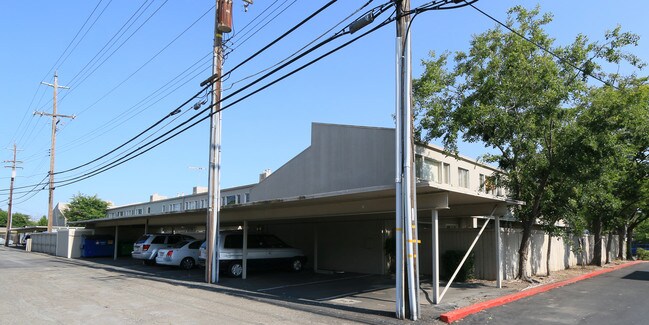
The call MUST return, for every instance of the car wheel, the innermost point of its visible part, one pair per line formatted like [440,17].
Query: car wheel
[235,269]
[149,262]
[187,263]
[296,265]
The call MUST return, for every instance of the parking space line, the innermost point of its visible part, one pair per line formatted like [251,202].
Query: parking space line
[350,293]
[314,282]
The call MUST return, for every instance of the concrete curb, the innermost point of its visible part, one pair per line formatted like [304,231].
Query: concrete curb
[465,311]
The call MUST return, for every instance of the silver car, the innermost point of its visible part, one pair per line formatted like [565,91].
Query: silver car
[264,251]
[183,254]
[146,247]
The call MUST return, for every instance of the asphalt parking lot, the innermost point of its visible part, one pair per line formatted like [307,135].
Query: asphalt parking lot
[51,289]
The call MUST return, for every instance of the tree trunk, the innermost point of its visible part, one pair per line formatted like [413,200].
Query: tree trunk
[609,246]
[547,260]
[621,233]
[629,238]
[597,246]
[523,250]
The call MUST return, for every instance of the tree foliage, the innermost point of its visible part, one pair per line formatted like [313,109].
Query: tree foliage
[17,220]
[515,97]
[85,207]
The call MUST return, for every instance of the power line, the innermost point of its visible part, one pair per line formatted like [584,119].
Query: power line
[131,154]
[541,47]
[148,61]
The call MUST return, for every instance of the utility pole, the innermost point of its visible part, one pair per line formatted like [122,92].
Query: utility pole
[407,296]
[222,24]
[11,193]
[55,121]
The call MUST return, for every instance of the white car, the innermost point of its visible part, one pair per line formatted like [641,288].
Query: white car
[146,247]
[264,251]
[183,254]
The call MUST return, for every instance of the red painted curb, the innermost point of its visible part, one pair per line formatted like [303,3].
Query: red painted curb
[465,311]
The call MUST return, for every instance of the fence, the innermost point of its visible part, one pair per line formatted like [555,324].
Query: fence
[563,254]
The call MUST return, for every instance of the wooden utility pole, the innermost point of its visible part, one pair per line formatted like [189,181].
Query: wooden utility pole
[55,120]
[222,24]
[11,193]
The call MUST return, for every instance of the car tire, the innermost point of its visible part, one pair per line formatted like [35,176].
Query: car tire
[149,262]
[187,263]
[235,269]
[296,265]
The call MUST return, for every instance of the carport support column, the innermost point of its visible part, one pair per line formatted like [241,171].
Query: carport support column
[499,265]
[244,257]
[116,241]
[435,255]
[146,225]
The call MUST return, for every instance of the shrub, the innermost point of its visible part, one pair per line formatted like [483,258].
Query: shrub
[450,261]
[643,254]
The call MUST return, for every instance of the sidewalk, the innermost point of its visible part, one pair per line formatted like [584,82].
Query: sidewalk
[463,311]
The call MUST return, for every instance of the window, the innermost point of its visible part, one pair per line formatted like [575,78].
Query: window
[233,241]
[164,208]
[202,203]
[238,198]
[230,199]
[140,211]
[428,169]
[148,210]
[446,173]
[186,205]
[463,177]
[483,181]
[158,240]
[246,197]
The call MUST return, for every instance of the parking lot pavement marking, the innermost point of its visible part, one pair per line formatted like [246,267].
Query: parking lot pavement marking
[313,282]
[351,293]
[345,301]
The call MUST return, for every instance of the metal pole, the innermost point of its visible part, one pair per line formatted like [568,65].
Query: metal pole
[435,255]
[499,266]
[244,256]
[398,234]
[407,159]
[222,23]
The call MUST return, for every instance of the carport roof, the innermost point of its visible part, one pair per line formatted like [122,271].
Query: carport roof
[363,201]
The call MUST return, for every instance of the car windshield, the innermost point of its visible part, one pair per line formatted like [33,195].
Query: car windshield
[142,239]
[180,244]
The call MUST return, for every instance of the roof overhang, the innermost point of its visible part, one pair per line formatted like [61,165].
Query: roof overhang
[363,201]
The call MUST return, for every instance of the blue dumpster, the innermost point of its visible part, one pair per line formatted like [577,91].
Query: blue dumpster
[98,246]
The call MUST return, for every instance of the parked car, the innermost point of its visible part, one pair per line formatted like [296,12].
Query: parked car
[264,251]
[146,247]
[183,254]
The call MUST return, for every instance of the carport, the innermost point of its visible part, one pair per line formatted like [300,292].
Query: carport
[361,220]
[336,201]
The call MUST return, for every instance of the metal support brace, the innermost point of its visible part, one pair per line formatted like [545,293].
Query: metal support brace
[450,281]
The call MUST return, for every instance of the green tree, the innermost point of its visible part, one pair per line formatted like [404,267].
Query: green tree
[512,96]
[17,219]
[42,221]
[85,207]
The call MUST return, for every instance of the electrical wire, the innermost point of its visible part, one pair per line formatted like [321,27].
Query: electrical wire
[541,47]
[127,158]
[147,62]
[133,154]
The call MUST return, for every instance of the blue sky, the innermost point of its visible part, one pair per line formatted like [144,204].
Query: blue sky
[122,96]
